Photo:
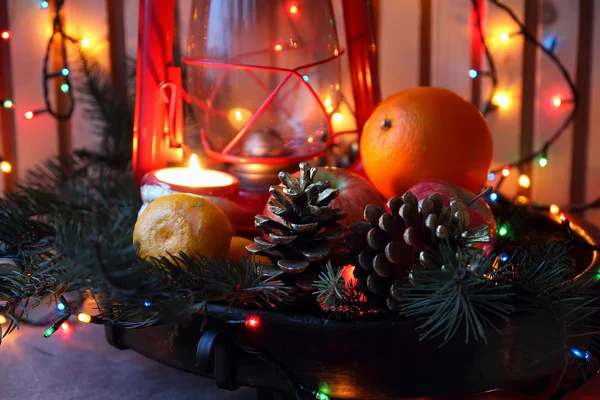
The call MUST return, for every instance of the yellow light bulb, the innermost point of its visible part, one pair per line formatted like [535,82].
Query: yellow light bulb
[329,109]
[554,209]
[524,181]
[504,36]
[556,101]
[83,317]
[501,100]
[293,9]
[522,200]
[2,319]
[327,102]
[6,167]
[85,42]
[278,47]
[337,118]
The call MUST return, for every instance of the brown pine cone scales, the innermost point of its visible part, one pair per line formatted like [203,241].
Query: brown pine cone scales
[309,231]
[388,245]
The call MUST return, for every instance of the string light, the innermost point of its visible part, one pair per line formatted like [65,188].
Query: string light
[504,257]
[327,102]
[293,10]
[65,71]
[501,100]
[5,34]
[505,172]
[493,196]
[491,176]
[556,101]
[504,37]
[554,209]
[5,167]
[543,161]
[305,78]
[2,319]
[44,4]
[252,322]
[8,104]
[29,114]
[322,396]
[562,217]
[524,181]
[278,47]
[52,328]
[473,73]
[85,42]
[60,306]
[503,231]
[522,200]
[85,318]
[147,304]
[550,43]
[65,326]
[64,87]
[337,118]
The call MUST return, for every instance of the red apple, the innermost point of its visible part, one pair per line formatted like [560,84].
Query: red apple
[479,211]
[355,193]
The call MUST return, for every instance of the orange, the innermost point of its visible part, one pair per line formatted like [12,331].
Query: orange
[237,250]
[182,223]
[424,133]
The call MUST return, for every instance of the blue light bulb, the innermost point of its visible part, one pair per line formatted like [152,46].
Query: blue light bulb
[305,77]
[504,257]
[65,71]
[60,306]
[44,4]
[147,304]
[577,353]
[491,176]
[473,73]
[493,197]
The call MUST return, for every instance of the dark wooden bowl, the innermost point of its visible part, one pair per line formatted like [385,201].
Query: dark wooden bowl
[379,357]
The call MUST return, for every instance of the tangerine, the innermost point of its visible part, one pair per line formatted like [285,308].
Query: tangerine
[425,133]
[182,223]
[237,250]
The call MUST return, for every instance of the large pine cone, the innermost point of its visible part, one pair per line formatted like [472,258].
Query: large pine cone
[387,245]
[310,230]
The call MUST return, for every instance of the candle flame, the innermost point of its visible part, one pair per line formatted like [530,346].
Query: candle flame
[194,164]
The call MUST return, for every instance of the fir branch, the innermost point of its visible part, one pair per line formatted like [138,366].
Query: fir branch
[338,297]
[457,289]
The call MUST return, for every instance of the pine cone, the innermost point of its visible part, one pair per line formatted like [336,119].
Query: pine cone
[387,245]
[310,230]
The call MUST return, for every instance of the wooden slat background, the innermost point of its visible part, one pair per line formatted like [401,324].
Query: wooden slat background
[400,26]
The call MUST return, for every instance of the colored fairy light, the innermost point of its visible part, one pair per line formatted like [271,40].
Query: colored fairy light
[83,317]
[329,109]
[327,102]
[65,326]
[522,200]
[505,172]
[562,217]
[60,306]
[29,114]
[493,196]
[293,10]
[252,322]
[504,36]
[278,47]
[147,304]
[305,78]
[577,352]
[5,167]
[554,209]
[491,176]
[504,257]
[322,396]
[64,87]
[50,331]
[44,4]
[65,71]
[2,319]
[587,355]
[473,73]
[501,100]
[524,180]
[85,42]
[556,101]
[543,161]
[5,34]
[8,104]
[337,118]
[550,42]
[503,231]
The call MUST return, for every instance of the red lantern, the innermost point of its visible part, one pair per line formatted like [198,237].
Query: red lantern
[263,94]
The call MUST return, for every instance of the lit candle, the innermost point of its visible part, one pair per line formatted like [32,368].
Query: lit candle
[238,117]
[191,179]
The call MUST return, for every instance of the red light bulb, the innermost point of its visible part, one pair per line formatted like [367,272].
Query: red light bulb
[29,114]
[5,34]
[562,217]
[556,101]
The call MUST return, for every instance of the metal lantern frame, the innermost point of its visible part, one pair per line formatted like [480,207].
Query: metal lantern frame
[158,121]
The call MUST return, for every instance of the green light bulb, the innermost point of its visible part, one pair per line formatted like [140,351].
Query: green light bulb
[50,331]
[502,231]
[322,396]
[64,87]
[7,104]
[543,162]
